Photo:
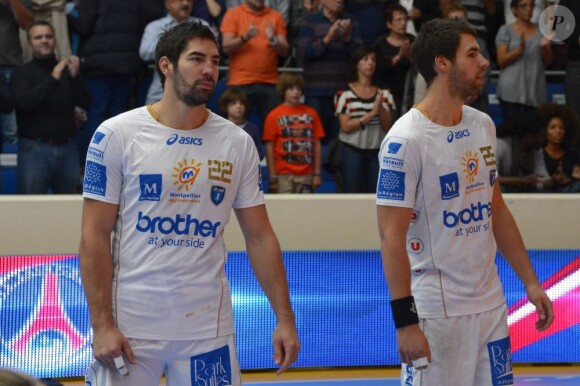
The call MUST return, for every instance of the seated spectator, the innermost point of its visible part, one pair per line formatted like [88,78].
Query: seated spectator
[523,53]
[519,138]
[254,37]
[292,134]
[177,12]
[45,92]
[365,115]
[394,55]
[326,40]
[558,156]
[233,104]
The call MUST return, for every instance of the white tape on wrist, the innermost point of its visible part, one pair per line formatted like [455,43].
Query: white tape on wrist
[421,362]
[120,364]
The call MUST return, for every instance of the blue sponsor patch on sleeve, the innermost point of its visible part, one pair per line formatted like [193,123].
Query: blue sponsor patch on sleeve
[95,181]
[212,368]
[500,361]
[391,185]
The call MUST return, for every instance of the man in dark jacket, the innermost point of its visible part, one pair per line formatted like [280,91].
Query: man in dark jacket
[46,92]
[110,32]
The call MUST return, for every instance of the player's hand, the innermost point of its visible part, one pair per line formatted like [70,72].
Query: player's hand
[413,345]
[286,345]
[110,343]
[544,308]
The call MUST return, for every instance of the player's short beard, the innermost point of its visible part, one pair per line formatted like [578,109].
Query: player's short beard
[461,87]
[190,95]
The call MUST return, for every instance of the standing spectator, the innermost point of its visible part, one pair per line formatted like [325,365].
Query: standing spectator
[523,54]
[539,6]
[292,134]
[486,16]
[365,113]
[572,77]
[419,12]
[442,220]
[326,40]
[370,15]
[298,8]
[233,104]
[14,14]
[159,298]
[110,33]
[282,6]
[254,37]
[52,11]
[46,92]
[212,11]
[394,55]
[178,11]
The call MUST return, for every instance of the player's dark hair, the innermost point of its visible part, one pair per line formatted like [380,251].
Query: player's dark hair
[173,41]
[438,37]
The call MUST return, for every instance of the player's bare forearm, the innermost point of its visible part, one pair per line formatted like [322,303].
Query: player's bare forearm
[393,225]
[95,260]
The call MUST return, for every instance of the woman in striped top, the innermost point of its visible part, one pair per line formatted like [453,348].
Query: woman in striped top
[365,115]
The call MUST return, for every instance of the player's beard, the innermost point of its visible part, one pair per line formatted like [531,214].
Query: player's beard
[460,86]
[191,95]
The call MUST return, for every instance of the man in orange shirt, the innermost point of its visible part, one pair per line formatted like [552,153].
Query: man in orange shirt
[254,36]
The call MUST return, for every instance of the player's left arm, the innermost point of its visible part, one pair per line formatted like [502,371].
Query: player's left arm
[266,260]
[510,244]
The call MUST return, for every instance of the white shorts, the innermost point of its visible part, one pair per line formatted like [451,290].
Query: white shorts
[465,350]
[199,362]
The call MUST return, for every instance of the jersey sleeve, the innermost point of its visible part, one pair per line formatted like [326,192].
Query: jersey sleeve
[251,189]
[103,169]
[400,172]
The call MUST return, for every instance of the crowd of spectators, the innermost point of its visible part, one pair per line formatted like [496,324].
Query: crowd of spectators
[355,98]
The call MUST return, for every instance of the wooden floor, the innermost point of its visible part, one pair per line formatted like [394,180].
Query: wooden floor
[525,375]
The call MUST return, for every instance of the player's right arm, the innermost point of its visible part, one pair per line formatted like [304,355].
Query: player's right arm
[96,267]
[393,225]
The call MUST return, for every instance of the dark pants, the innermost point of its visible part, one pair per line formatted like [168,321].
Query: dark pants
[509,109]
[359,169]
[109,97]
[324,106]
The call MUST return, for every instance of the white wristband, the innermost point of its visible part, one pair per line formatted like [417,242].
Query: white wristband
[420,363]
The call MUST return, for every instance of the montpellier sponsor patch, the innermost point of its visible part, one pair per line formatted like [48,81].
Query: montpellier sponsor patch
[449,186]
[391,185]
[212,368]
[150,187]
[500,361]
[95,181]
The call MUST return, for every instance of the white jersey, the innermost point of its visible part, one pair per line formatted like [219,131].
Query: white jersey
[446,174]
[175,190]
